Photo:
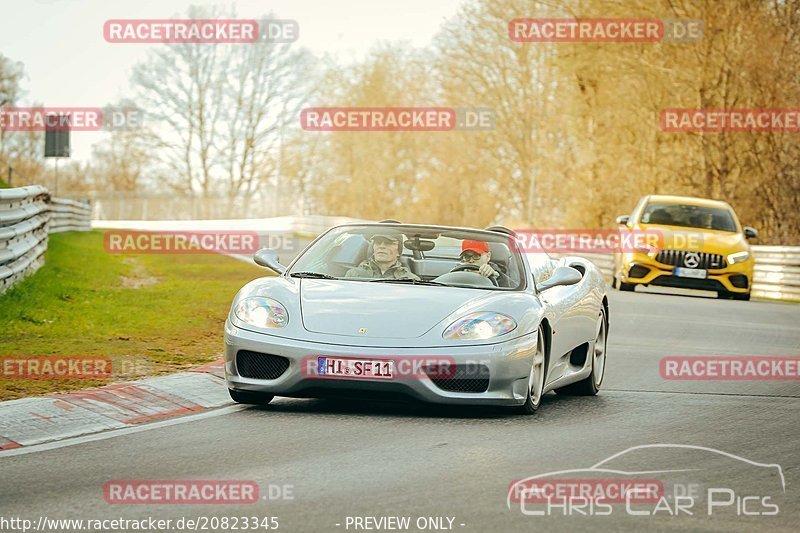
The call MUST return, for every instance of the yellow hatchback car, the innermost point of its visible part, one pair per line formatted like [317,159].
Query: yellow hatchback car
[701,245]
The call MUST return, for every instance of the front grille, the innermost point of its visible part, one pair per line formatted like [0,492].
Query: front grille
[678,258]
[260,365]
[464,378]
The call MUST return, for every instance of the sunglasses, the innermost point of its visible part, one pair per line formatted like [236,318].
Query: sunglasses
[470,256]
[383,241]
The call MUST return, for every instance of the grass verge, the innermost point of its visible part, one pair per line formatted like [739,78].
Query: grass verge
[150,314]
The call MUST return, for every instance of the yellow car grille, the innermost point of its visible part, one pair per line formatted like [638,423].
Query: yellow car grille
[689,259]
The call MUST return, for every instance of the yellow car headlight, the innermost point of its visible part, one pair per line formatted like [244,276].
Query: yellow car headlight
[738,257]
[646,248]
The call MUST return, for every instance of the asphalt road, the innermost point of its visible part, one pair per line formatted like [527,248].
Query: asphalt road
[349,459]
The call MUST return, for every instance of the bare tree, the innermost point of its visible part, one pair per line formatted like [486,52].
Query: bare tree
[221,111]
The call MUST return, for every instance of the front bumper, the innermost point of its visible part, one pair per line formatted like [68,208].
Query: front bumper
[642,269]
[509,364]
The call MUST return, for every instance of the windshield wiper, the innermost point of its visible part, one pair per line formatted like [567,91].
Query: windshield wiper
[409,281]
[311,275]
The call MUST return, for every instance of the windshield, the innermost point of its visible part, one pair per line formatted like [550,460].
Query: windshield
[689,216]
[414,255]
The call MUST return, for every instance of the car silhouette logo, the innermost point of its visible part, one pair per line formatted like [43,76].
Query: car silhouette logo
[608,467]
[691,259]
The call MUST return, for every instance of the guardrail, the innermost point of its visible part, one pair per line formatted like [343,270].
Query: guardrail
[69,215]
[27,216]
[777,272]
[776,275]
[24,219]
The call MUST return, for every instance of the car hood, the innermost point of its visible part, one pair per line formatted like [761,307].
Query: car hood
[400,316]
[697,239]
[378,310]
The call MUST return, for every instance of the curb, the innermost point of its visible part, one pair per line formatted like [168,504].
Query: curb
[29,421]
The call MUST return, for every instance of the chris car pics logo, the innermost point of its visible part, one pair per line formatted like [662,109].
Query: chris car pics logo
[668,480]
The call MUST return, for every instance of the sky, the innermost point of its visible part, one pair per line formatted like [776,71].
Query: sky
[69,64]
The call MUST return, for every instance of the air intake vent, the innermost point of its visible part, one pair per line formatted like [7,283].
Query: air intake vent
[260,365]
[638,271]
[465,378]
[739,281]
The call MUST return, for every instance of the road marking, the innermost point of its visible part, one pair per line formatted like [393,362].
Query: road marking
[214,412]
[736,394]
[120,432]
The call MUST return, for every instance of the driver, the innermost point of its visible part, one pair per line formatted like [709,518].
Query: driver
[706,221]
[477,253]
[384,263]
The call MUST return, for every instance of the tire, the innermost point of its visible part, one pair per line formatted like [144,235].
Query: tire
[535,379]
[724,295]
[590,385]
[741,296]
[249,397]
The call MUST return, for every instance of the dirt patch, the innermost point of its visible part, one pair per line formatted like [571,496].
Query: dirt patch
[140,277]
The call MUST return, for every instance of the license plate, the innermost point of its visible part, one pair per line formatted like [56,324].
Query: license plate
[697,273]
[355,368]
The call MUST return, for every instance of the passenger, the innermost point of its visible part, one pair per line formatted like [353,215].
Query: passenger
[384,263]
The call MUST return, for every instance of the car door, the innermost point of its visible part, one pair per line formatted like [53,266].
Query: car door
[571,313]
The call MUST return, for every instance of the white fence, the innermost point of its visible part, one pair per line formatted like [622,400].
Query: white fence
[776,275]
[27,216]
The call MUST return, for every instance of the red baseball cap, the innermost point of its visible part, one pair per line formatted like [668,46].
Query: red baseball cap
[479,247]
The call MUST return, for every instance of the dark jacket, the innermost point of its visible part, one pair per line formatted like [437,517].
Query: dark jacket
[369,269]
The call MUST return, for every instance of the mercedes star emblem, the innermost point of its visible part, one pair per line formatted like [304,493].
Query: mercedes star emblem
[691,259]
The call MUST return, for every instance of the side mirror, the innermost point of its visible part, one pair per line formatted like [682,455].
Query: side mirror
[266,257]
[562,275]
[623,219]
[750,233]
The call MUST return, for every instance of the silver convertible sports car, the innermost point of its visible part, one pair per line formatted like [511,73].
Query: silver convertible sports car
[440,314]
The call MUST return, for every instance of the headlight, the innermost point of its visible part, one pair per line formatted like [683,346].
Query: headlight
[262,312]
[645,248]
[479,326]
[738,257]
